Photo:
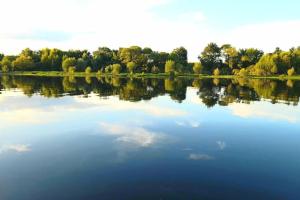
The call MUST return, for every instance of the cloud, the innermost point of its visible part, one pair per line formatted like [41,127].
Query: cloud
[129,134]
[193,124]
[17,108]
[20,109]
[194,156]
[222,145]
[114,23]
[266,36]
[18,148]
[266,110]
[114,104]
[89,24]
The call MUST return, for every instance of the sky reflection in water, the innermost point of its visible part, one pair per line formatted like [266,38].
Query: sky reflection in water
[171,145]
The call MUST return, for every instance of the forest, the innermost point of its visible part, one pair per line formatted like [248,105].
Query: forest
[213,60]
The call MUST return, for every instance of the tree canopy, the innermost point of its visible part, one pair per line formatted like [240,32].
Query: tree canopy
[214,59]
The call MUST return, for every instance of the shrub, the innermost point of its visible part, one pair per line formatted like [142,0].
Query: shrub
[216,72]
[72,70]
[170,66]
[131,67]
[291,71]
[116,69]
[155,70]
[67,63]
[88,70]
[243,72]
[197,68]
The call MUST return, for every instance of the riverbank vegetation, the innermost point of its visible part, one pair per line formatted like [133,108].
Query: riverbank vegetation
[214,60]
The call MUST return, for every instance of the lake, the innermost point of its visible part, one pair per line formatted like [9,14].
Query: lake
[111,138]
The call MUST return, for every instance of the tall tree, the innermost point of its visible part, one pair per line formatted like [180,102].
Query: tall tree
[179,55]
[102,58]
[6,64]
[248,57]
[211,58]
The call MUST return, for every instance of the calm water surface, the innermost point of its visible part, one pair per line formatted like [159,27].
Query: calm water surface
[88,138]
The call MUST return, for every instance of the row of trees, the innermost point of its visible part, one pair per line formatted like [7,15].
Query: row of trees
[228,60]
[132,59]
[216,60]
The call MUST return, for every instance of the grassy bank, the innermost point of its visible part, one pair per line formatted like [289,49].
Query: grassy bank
[147,75]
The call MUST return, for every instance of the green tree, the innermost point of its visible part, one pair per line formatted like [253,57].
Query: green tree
[291,72]
[155,70]
[216,72]
[116,69]
[170,66]
[35,56]
[159,59]
[197,67]
[23,63]
[230,55]
[211,58]
[132,54]
[266,66]
[71,69]
[108,69]
[6,64]
[179,55]
[243,72]
[248,57]
[131,66]
[81,64]
[51,59]
[103,57]
[67,63]
[295,59]
[88,70]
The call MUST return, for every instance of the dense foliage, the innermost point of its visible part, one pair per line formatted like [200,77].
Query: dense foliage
[214,59]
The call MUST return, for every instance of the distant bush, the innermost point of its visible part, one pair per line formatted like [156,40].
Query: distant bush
[217,72]
[291,71]
[197,67]
[72,70]
[88,70]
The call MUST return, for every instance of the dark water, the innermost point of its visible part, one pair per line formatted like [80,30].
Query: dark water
[85,138]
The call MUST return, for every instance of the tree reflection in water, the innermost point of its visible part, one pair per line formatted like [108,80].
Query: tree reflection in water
[211,91]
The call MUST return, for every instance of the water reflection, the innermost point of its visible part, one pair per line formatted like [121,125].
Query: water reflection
[109,138]
[211,91]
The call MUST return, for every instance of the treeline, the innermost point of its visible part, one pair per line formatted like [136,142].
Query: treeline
[214,60]
[211,91]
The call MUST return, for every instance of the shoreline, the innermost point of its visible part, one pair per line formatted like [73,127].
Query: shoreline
[141,75]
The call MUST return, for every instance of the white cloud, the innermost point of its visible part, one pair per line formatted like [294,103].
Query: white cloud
[87,24]
[17,108]
[194,156]
[266,36]
[137,136]
[193,124]
[92,23]
[18,148]
[20,109]
[278,112]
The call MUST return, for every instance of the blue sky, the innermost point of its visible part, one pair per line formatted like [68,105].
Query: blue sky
[160,24]
[230,13]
